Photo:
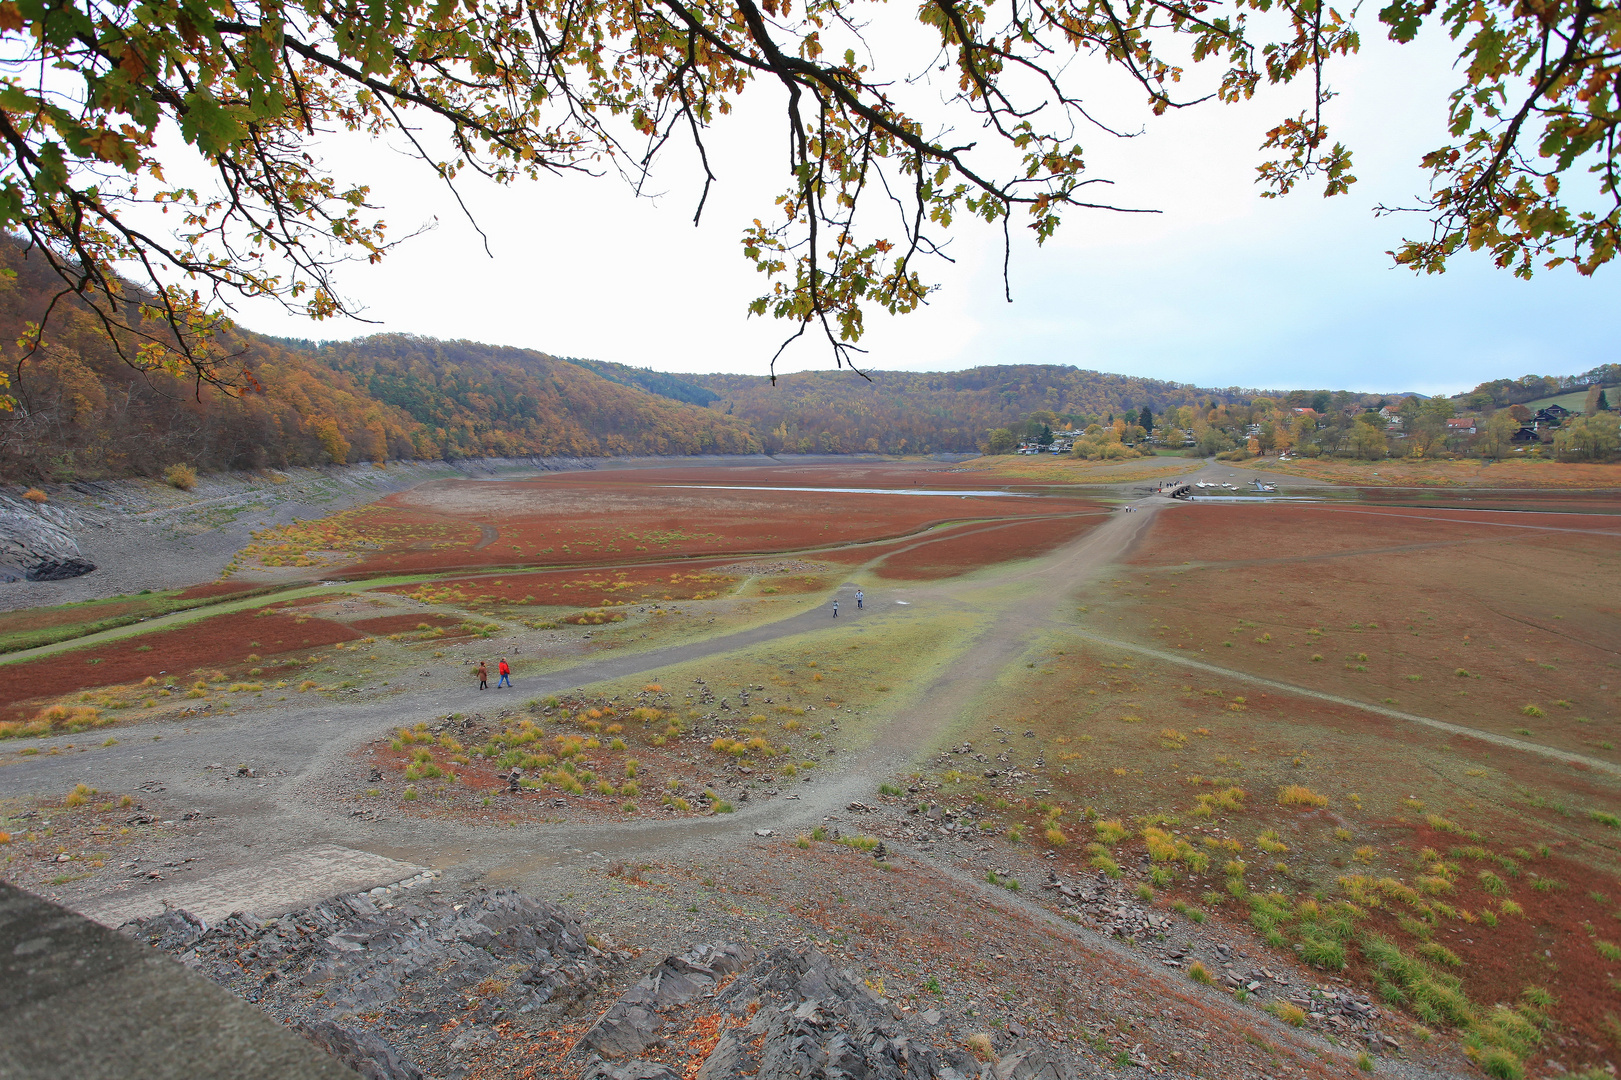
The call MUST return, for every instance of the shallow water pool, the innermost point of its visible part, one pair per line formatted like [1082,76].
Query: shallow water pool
[860,491]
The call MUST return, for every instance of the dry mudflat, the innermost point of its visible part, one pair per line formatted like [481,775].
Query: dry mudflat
[1270,789]
[1529,474]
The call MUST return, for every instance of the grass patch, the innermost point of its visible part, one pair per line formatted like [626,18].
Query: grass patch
[1300,795]
[1323,951]
[1289,1013]
[1433,996]
[1109,832]
[1101,860]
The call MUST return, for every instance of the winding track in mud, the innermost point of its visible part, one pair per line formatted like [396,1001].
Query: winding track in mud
[313,746]
[306,753]
[1010,608]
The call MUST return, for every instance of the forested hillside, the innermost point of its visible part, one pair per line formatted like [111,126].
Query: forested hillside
[903,412]
[1500,392]
[472,399]
[679,387]
[80,412]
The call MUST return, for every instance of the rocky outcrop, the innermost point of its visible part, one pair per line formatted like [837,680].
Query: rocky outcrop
[497,983]
[788,1013]
[409,964]
[362,1051]
[632,1023]
[630,1070]
[37,544]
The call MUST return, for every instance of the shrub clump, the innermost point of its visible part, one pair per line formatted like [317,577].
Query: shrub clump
[54,718]
[180,476]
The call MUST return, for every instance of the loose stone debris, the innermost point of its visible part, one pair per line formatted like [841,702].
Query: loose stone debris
[400,984]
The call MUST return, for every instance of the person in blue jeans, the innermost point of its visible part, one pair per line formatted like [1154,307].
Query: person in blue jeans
[506,675]
[858,599]
[835,609]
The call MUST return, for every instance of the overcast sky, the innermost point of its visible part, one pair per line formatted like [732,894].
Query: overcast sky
[1221,288]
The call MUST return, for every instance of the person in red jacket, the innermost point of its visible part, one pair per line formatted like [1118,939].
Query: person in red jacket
[506,675]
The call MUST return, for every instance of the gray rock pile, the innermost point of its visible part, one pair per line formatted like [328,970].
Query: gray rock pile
[384,987]
[632,1023]
[1338,1010]
[1105,905]
[771,568]
[788,1012]
[362,1051]
[496,983]
[37,544]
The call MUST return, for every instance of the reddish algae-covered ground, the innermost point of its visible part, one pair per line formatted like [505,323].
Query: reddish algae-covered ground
[614,517]
[170,655]
[973,547]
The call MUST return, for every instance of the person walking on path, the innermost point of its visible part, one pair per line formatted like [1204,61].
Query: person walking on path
[483,676]
[835,609]
[858,599]
[506,675]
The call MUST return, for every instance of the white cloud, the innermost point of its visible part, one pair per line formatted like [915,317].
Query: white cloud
[1222,288]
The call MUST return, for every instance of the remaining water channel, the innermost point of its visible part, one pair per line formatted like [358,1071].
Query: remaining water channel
[859,491]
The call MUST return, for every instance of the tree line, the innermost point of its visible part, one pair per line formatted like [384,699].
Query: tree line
[1501,392]
[1369,429]
[900,412]
[78,411]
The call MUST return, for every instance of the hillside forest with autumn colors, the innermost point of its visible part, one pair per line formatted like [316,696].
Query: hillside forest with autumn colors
[78,411]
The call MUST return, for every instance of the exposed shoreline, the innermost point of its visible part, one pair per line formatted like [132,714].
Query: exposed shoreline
[143,534]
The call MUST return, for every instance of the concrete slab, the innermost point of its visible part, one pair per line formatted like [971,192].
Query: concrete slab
[80,1000]
[272,887]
